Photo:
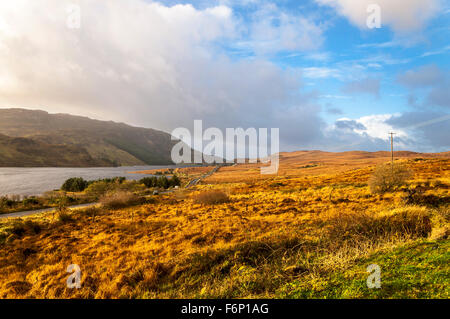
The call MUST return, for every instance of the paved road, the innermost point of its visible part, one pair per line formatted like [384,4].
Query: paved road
[39,211]
[197,180]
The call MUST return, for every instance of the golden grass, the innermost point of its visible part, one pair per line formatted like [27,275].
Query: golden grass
[211,197]
[270,231]
[119,199]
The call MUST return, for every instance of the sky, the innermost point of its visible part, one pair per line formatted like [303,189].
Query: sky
[313,68]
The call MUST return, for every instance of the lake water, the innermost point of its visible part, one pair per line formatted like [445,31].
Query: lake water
[36,181]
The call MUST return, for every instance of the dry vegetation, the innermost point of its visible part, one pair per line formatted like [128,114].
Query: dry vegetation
[295,235]
[120,199]
[211,197]
[388,177]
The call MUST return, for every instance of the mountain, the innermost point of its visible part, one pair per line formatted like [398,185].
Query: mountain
[30,138]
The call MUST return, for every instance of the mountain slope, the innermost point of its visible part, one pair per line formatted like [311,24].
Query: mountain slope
[21,151]
[67,140]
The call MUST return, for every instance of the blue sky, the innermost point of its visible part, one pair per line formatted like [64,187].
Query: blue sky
[355,72]
[350,53]
[311,68]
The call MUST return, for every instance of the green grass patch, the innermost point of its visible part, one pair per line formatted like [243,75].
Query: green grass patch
[419,270]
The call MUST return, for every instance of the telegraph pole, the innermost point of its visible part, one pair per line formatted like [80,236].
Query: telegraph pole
[392,148]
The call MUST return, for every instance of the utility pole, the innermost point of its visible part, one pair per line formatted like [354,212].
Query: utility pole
[392,149]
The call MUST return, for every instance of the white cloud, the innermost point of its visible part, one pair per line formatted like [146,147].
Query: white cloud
[377,127]
[414,131]
[272,30]
[163,66]
[321,72]
[147,64]
[401,15]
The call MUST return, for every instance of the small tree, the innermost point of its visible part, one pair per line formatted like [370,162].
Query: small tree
[99,188]
[163,182]
[149,181]
[388,177]
[175,181]
[75,184]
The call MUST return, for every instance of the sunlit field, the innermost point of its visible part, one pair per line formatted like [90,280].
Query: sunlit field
[294,235]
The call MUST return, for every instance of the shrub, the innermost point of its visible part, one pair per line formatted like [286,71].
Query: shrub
[175,181]
[53,197]
[74,184]
[32,226]
[120,199]
[162,181]
[64,217]
[211,197]
[388,177]
[18,228]
[30,201]
[130,186]
[5,202]
[149,181]
[99,188]
[416,196]
[115,180]
[409,221]
[21,227]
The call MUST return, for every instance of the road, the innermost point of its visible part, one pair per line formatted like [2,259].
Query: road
[195,181]
[44,210]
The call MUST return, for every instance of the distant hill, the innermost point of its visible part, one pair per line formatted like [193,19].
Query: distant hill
[37,138]
[309,163]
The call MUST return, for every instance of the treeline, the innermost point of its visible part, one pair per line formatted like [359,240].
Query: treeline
[78,184]
[162,182]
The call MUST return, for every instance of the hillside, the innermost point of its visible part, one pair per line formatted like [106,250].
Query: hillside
[308,163]
[37,138]
[21,151]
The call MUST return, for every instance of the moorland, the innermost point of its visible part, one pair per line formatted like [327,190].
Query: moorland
[309,232]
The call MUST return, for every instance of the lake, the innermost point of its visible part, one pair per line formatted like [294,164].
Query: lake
[37,180]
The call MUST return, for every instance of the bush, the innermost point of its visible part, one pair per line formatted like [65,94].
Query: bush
[149,181]
[32,226]
[211,197]
[5,202]
[162,181]
[388,177]
[417,196]
[18,228]
[21,227]
[99,188]
[64,217]
[413,222]
[175,181]
[113,180]
[74,184]
[30,201]
[120,199]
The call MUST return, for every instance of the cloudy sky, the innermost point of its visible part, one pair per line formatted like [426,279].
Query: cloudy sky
[311,68]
